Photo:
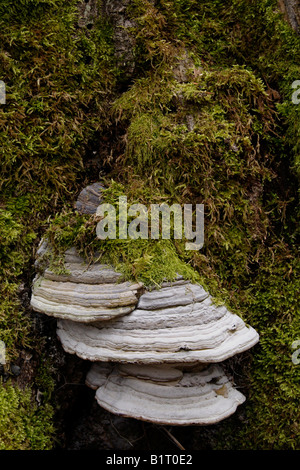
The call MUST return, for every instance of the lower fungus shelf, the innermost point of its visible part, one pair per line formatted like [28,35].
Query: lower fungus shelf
[195,398]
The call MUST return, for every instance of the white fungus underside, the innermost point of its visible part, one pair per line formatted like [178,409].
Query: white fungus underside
[189,341]
[198,399]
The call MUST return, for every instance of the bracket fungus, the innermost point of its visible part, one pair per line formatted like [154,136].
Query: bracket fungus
[83,292]
[165,395]
[156,354]
[185,327]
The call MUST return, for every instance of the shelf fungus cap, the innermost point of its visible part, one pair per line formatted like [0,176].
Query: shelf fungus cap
[83,292]
[166,396]
[193,332]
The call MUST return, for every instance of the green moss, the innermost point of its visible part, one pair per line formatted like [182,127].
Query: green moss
[22,422]
[218,162]
[15,238]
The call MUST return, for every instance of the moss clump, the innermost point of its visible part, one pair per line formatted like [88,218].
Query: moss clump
[15,248]
[54,97]
[22,422]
